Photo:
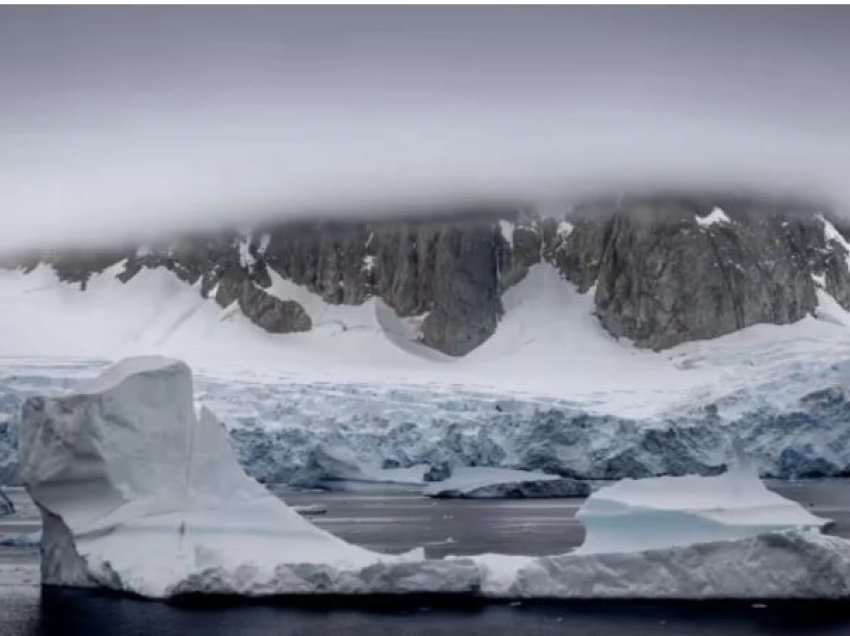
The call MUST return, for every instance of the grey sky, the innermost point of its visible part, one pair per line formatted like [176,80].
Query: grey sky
[130,120]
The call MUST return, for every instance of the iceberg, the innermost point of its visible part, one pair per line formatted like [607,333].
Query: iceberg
[139,494]
[659,512]
[793,564]
[488,483]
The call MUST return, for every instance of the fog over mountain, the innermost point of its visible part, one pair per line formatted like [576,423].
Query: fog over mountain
[125,122]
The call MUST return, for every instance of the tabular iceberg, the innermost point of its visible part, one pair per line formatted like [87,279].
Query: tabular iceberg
[140,495]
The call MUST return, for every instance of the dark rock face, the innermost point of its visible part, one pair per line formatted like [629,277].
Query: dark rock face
[662,274]
[664,278]
[330,259]
[466,300]
[271,313]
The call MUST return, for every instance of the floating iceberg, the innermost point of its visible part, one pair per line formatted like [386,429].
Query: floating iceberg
[484,483]
[138,494]
[643,514]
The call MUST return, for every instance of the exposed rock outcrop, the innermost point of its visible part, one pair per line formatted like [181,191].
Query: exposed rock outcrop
[271,313]
[666,277]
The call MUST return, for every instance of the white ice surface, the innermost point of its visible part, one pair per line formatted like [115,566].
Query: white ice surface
[792,564]
[660,512]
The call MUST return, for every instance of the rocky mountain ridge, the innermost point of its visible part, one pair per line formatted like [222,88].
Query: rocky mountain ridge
[662,269]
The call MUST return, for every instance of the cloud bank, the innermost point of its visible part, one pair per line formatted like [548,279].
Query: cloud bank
[120,122]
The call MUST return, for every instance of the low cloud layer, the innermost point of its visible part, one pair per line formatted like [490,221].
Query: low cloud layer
[122,122]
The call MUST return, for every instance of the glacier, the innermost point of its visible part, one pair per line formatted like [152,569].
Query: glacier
[139,494]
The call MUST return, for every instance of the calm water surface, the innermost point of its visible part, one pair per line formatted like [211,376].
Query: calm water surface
[395,522]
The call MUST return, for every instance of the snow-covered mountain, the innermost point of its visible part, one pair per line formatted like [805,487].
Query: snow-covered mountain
[661,270]
[645,336]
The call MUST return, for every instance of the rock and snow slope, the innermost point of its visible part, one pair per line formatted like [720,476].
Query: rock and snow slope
[661,269]
[137,494]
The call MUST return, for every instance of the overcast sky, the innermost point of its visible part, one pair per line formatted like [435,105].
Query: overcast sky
[122,121]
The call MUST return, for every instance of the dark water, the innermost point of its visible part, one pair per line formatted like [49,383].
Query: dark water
[73,612]
[395,523]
